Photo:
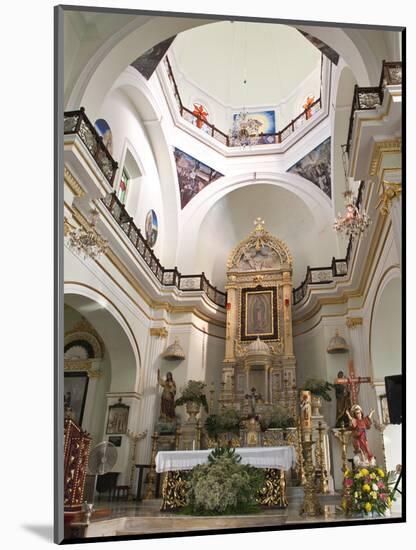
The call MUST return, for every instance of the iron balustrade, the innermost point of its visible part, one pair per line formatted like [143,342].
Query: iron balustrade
[77,122]
[224,138]
[166,277]
[368,98]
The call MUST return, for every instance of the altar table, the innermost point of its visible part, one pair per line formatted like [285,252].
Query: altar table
[275,460]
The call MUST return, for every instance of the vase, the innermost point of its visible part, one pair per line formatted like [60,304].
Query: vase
[192,409]
[316,403]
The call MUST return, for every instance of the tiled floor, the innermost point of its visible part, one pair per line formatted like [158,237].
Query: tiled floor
[137,518]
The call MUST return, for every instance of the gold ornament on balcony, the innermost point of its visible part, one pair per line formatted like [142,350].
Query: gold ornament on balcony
[86,240]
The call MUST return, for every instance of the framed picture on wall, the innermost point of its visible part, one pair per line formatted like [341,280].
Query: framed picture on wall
[75,394]
[259,313]
[118,416]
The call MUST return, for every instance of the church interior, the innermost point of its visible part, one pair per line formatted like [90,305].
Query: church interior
[232,201]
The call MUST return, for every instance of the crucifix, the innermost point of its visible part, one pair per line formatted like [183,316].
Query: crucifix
[253,397]
[353,382]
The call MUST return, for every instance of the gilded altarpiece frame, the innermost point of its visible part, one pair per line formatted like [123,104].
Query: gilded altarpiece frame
[259,313]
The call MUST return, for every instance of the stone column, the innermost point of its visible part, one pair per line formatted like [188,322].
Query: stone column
[366,397]
[148,412]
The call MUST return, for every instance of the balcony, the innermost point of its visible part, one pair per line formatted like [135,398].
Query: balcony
[204,128]
[369,98]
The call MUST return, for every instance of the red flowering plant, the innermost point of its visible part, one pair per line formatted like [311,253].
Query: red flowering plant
[366,491]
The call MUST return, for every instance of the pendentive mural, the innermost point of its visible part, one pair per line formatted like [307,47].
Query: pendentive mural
[316,167]
[146,64]
[151,228]
[193,175]
[104,131]
[331,54]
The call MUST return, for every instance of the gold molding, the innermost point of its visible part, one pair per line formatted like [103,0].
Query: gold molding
[380,149]
[84,365]
[68,227]
[353,322]
[72,183]
[159,332]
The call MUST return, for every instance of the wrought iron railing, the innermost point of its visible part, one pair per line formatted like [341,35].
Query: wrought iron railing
[368,98]
[324,275]
[167,277]
[224,138]
[77,122]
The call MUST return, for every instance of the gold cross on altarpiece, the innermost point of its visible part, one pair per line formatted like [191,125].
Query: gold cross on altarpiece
[353,382]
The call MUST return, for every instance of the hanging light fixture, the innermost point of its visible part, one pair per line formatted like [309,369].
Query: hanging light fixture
[353,222]
[87,241]
[245,129]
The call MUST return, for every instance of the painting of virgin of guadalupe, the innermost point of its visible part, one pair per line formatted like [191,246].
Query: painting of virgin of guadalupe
[259,313]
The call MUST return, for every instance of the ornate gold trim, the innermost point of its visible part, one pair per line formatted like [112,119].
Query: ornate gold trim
[380,148]
[390,190]
[80,366]
[159,332]
[353,322]
[72,183]
[257,238]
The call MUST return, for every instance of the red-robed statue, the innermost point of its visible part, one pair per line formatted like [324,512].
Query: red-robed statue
[359,425]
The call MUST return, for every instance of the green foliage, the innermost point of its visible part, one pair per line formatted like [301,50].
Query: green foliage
[279,418]
[224,486]
[319,387]
[193,391]
[226,421]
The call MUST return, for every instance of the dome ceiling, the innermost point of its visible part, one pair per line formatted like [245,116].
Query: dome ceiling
[286,216]
[274,59]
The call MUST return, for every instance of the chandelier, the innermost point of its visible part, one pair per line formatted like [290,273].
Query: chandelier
[245,130]
[87,241]
[353,222]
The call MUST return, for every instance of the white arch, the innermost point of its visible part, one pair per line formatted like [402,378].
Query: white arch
[109,61]
[135,87]
[99,298]
[197,209]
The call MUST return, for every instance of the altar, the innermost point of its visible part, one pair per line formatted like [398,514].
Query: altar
[175,465]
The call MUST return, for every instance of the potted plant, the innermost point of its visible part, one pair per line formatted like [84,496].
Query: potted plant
[226,422]
[278,418]
[193,396]
[319,388]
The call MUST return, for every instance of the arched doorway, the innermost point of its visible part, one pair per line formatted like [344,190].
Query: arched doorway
[386,356]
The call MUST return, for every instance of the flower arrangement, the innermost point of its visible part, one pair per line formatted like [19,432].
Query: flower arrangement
[224,486]
[319,387]
[366,491]
[193,391]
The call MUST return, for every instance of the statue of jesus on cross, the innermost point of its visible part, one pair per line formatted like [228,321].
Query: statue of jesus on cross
[353,382]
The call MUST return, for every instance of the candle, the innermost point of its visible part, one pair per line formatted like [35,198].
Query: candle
[193,445]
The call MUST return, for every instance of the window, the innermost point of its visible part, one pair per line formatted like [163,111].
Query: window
[123,186]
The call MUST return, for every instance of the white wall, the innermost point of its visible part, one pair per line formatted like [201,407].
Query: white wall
[129,133]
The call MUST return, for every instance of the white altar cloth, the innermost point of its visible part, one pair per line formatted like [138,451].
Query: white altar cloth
[282,458]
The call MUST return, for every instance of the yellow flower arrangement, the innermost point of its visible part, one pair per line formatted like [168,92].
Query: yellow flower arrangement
[367,491]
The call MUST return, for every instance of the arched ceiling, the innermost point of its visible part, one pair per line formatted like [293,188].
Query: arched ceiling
[274,59]
[286,216]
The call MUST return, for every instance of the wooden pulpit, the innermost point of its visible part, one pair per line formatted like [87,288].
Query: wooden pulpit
[76,450]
